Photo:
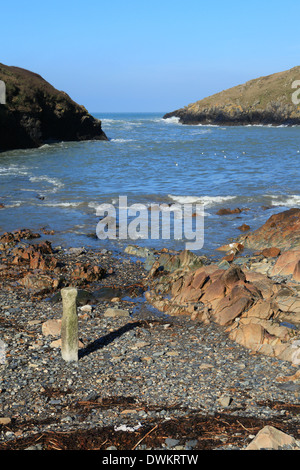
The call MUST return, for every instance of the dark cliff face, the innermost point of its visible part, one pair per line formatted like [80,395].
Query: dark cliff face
[36,113]
[271,100]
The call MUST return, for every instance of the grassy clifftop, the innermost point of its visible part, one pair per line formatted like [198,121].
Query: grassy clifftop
[35,113]
[264,100]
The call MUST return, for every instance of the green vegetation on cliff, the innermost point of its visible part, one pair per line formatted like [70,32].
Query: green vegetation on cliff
[272,99]
[35,113]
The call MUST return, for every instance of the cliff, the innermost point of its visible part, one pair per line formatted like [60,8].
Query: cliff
[35,113]
[269,100]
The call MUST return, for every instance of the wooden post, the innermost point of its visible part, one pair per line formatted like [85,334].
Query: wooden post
[69,325]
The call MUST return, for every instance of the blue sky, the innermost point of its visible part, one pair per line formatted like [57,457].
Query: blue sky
[134,55]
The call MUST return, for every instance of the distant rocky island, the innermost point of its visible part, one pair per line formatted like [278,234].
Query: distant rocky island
[269,100]
[35,113]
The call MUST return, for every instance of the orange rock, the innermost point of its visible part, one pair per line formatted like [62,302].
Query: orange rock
[233,275]
[250,336]
[244,228]
[296,273]
[281,230]
[229,211]
[51,327]
[271,252]
[233,305]
[216,290]
[229,258]
[264,309]
[235,247]
[272,439]
[287,264]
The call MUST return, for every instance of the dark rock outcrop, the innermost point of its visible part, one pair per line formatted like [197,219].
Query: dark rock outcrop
[36,113]
[270,100]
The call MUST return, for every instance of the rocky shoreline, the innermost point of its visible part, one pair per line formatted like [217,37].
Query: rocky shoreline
[176,352]
[262,101]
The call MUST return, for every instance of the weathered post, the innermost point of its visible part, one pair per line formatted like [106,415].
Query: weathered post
[69,325]
[2,352]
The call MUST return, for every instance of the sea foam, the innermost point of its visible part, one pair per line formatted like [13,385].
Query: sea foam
[207,201]
[292,200]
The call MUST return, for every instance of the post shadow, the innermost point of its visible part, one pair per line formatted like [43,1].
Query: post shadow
[107,339]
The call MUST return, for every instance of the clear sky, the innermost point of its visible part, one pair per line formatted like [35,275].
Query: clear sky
[140,55]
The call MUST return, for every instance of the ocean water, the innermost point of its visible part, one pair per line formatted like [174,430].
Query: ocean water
[152,161]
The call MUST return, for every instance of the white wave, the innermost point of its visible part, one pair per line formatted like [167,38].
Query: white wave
[202,131]
[122,140]
[157,120]
[171,120]
[208,125]
[14,204]
[61,204]
[14,170]
[207,201]
[93,205]
[292,200]
[28,190]
[108,121]
[54,181]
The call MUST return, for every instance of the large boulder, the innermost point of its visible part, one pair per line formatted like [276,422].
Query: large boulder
[257,312]
[288,264]
[36,113]
[280,230]
[270,438]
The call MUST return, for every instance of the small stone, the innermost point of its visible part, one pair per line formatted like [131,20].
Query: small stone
[139,345]
[227,211]
[171,442]
[5,420]
[35,447]
[205,366]
[244,228]
[116,312]
[224,401]
[86,308]
[51,327]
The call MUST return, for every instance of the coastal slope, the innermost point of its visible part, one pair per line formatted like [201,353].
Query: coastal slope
[35,113]
[268,100]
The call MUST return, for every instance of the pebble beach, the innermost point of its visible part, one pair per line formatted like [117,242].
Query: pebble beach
[143,379]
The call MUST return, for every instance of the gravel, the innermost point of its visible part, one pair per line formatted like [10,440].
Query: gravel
[132,370]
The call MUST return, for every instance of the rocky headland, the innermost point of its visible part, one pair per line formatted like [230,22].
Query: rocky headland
[36,113]
[266,101]
[176,351]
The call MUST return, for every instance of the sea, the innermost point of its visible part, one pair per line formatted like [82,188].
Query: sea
[152,163]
